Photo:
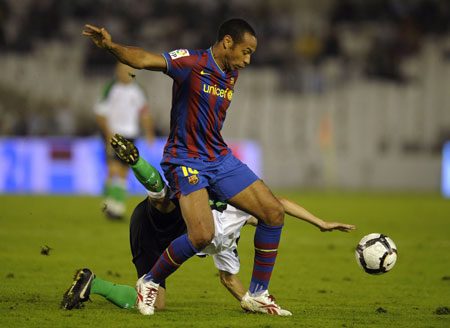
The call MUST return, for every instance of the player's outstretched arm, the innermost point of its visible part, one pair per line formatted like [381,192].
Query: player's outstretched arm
[131,56]
[297,211]
[233,284]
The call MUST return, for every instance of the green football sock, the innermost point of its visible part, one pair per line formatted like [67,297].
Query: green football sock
[107,190]
[147,175]
[117,190]
[120,295]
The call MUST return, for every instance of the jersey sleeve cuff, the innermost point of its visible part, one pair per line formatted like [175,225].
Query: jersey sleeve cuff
[167,63]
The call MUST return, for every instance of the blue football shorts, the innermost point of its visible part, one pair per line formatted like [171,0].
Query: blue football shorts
[224,178]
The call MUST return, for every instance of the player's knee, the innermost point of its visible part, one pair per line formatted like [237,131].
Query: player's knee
[201,239]
[274,215]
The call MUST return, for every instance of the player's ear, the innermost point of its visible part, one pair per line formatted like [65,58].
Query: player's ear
[227,42]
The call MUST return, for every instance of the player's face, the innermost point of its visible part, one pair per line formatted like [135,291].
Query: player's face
[239,53]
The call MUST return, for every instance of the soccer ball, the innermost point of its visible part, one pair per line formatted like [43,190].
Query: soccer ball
[376,253]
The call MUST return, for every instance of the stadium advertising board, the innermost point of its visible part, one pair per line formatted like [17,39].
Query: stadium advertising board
[445,179]
[78,166]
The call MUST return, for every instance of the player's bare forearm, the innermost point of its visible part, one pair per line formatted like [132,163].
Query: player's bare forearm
[252,221]
[103,125]
[160,302]
[138,58]
[233,284]
[297,211]
[148,125]
[132,56]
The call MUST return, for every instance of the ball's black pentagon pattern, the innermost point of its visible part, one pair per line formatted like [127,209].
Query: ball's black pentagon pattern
[389,252]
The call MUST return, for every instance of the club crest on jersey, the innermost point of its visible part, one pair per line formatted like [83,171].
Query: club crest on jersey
[193,179]
[179,53]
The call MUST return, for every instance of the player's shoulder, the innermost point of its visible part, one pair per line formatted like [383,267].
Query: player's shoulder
[183,58]
[187,54]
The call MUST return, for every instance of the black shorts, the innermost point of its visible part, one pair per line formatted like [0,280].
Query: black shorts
[151,232]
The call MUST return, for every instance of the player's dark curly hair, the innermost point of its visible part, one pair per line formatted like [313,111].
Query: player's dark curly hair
[235,27]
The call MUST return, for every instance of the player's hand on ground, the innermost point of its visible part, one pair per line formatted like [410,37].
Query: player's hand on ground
[100,36]
[125,149]
[330,226]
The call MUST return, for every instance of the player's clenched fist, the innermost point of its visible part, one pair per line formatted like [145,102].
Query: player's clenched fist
[100,36]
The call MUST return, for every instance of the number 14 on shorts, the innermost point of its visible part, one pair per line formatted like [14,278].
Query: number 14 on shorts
[188,170]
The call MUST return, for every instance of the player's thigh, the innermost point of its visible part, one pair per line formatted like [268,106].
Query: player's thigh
[144,244]
[258,200]
[186,176]
[232,177]
[198,217]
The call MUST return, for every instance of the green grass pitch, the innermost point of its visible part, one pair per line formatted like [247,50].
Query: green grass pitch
[316,275]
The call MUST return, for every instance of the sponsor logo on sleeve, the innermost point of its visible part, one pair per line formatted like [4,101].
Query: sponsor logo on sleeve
[178,53]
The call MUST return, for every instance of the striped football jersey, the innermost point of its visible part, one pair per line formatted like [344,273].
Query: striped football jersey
[201,95]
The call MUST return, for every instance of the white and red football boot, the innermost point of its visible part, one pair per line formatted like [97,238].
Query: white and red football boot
[264,303]
[147,291]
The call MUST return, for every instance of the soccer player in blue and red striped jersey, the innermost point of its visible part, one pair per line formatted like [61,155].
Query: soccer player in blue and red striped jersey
[198,163]
[202,93]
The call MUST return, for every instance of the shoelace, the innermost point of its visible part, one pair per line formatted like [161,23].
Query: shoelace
[151,296]
[270,297]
